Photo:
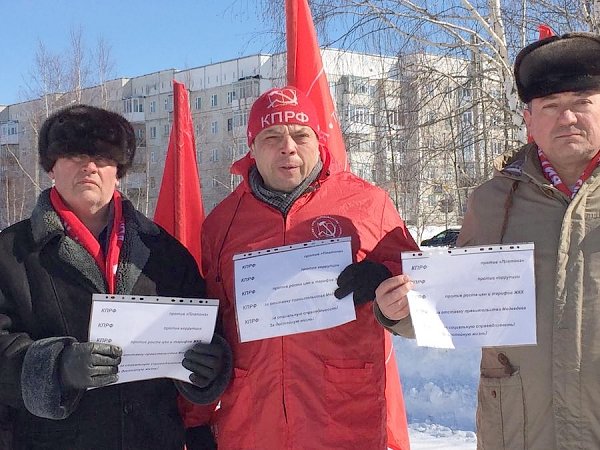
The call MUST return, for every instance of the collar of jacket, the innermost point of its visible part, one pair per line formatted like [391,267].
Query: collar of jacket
[46,225]
[524,164]
[242,167]
[520,164]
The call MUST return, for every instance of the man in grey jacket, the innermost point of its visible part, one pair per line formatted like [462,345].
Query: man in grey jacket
[545,396]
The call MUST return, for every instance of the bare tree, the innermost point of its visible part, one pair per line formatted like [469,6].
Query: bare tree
[54,81]
[454,74]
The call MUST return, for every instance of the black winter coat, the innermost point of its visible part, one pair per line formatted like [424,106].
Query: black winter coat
[46,285]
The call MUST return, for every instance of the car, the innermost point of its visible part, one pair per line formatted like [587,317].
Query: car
[446,238]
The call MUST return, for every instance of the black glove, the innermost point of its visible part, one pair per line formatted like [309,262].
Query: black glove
[362,278]
[200,438]
[89,364]
[205,361]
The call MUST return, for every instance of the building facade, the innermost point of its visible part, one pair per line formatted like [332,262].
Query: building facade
[411,124]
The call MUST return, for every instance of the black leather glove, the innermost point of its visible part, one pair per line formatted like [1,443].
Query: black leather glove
[205,361]
[89,364]
[362,278]
[200,438]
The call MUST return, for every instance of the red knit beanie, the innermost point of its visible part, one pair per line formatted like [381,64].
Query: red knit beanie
[281,106]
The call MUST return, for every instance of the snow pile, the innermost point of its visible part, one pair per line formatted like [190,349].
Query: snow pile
[439,385]
[434,437]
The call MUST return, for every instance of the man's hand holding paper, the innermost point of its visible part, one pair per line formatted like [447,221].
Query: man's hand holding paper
[391,297]
[471,296]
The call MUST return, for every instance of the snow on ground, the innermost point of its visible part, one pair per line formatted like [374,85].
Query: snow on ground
[439,385]
[440,393]
[437,437]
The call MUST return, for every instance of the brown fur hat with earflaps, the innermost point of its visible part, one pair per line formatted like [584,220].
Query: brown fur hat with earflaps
[570,62]
[87,130]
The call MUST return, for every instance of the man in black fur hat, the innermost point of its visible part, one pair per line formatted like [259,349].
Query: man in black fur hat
[83,238]
[547,396]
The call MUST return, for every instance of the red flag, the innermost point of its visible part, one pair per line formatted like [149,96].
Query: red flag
[545,31]
[179,207]
[305,71]
[397,428]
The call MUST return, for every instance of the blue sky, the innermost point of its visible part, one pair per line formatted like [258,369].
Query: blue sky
[144,35]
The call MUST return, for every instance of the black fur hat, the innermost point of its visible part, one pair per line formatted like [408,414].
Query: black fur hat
[87,130]
[570,62]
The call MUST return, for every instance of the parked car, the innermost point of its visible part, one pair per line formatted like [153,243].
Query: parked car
[446,238]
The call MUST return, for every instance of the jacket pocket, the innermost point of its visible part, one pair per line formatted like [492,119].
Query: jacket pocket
[501,413]
[233,425]
[355,405]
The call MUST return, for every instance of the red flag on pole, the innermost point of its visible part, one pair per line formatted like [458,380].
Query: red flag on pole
[179,207]
[305,71]
[545,32]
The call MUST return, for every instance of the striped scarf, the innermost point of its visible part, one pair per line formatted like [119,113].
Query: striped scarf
[281,201]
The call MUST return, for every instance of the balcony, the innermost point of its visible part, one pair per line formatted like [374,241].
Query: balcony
[133,109]
[10,139]
[135,117]
[9,132]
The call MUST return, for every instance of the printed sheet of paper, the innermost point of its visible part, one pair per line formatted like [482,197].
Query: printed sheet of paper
[288,290]
[154,332]
[472,296]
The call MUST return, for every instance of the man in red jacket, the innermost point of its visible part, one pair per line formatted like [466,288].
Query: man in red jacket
[313,390]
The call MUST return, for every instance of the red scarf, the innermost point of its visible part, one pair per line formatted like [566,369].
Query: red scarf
[77,231]
[552,175]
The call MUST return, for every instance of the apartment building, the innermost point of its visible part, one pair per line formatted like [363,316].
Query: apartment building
[399,133]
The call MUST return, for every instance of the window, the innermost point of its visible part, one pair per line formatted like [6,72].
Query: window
[214,100]
[197,129]
[361,114]
[152,183]
[395,117]
[497,147]
[152,132]
[153,106]
[198,103]
[214,127]
[432,200]
[198,156]
[230,124]
[9,129]
[467,118]
[332,88]
[214,154]
[230,97]
[152,157]
[240,119]
[133,105]
[215,182]
[166,128]
[360,85]
[465,93]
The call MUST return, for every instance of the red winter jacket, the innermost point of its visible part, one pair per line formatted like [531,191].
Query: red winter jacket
[317,390]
